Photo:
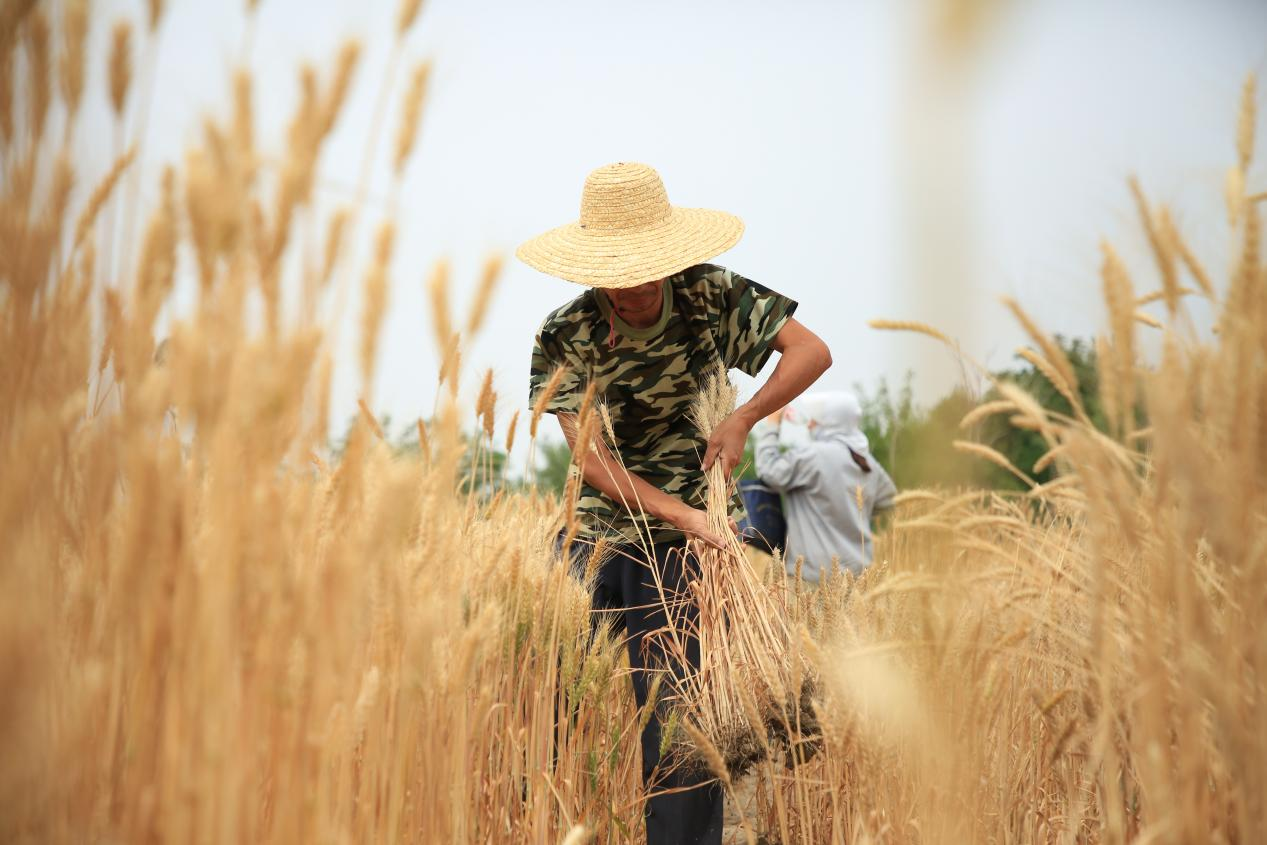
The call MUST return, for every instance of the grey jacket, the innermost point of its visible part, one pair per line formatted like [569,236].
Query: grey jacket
[826,517]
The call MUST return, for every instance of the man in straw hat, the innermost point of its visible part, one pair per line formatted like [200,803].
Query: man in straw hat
[654,321]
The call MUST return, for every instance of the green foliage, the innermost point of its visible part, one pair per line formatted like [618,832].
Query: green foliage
[913,443]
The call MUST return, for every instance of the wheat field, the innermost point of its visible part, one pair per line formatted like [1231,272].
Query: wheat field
[212,629]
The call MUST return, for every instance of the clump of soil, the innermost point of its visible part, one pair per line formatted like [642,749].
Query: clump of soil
[791,732]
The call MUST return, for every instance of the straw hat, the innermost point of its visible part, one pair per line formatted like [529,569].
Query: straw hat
[628,233]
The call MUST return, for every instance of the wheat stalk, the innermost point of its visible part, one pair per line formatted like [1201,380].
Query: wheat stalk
[994,456]
[1157,228]
[1246,119]
[438,291]
[155,9]
[543,398]
[489,277]
[375,304]
[510,431]
[910,326]
[1119,296]
[120,66]
[1171,232]
[7,38]
[1051,350]
[485,403]
[71,62]
[99,197]
[335,232]
[411,114]
[1056,378]
[39,67]
[344,69]
[985,410]
[406,15]
[368,417]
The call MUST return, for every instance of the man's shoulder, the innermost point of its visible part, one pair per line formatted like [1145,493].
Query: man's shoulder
[714,282]
[570,317]
[703,285]
[701,276]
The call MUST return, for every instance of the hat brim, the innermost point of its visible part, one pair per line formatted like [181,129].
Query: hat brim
[616,259]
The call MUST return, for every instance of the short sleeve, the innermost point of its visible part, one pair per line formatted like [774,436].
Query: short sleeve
[751,315]
[547,358]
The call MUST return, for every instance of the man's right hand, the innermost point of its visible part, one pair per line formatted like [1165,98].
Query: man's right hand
[612,479]
[694,523]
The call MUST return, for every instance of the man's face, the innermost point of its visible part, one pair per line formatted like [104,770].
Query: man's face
[637,301]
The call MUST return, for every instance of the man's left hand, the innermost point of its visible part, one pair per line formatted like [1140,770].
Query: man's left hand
[727,444]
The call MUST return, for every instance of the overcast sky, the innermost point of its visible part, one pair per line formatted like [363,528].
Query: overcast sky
[879,174]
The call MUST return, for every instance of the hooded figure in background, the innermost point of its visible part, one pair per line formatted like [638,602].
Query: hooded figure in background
[831,487]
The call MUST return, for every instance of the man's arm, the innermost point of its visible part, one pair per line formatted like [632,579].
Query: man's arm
[803,357]
[605,472]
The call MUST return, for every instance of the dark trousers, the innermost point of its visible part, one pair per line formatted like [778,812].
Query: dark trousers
[685,807]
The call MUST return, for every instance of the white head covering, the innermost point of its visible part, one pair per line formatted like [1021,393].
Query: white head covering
[838,416]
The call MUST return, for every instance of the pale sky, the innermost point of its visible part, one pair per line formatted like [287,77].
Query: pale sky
[875,179]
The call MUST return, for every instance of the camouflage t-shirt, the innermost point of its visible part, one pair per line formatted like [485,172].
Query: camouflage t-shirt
[649,378]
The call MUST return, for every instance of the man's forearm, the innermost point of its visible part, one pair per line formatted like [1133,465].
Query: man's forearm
[803,357]
[609,477]
[606,474]
[799,366]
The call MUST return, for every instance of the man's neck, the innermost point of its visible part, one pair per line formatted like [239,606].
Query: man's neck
[644,319]
[640,319]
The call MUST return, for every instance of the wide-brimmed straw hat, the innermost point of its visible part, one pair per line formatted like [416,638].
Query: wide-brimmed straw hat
[629,234]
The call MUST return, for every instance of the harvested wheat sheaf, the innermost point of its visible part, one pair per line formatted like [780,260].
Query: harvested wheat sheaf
[747,636]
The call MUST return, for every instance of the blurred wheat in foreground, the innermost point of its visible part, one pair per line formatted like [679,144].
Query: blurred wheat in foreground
[213,629]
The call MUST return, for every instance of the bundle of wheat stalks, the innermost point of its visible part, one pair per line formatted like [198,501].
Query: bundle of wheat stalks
[753,682]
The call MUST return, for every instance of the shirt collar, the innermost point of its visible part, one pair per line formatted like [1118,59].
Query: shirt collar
[626,330]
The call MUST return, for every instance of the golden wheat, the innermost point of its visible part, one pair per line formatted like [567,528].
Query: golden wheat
[71,63]
[39,66]
[406,15]
[215,626]
[120,66]
[489,277]
[410,116]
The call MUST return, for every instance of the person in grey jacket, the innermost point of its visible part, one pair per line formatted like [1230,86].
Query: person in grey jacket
[831,487]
